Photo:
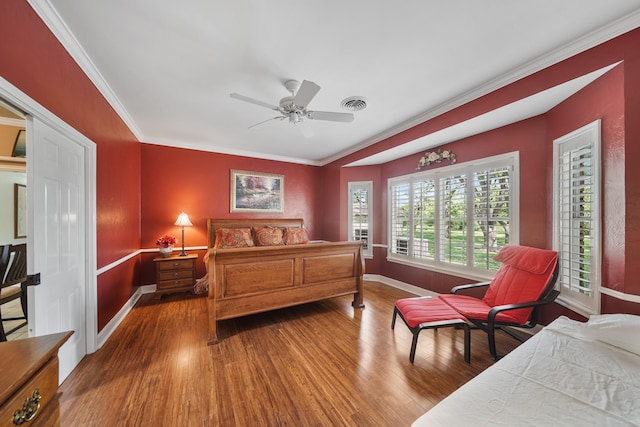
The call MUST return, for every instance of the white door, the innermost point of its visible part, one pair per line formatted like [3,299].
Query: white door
[56,238]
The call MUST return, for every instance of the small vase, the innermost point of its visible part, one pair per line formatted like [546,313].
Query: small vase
[165,252]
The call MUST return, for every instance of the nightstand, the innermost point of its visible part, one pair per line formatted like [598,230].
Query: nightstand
[175,274]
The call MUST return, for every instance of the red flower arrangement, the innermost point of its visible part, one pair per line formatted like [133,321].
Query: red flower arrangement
[166,241]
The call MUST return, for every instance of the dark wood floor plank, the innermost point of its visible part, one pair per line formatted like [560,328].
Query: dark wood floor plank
[319,364]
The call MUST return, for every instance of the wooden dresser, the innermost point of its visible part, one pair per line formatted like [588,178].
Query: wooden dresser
[29,381]
[175,274]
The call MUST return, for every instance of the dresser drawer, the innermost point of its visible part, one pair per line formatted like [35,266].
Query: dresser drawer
[176,264]
[43,384]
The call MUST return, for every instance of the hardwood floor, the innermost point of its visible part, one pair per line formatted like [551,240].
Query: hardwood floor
[319,364]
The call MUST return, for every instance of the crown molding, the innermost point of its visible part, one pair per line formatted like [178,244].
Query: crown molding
[61,31]
[225,150]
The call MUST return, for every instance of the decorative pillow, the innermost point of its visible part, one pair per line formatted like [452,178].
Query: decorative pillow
[295,236]
[268,236]
[233,238]
[618,330]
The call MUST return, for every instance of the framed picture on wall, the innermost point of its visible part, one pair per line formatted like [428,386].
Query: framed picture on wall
[20,211]
[256,192]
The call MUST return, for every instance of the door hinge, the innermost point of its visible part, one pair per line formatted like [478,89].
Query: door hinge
[33,279]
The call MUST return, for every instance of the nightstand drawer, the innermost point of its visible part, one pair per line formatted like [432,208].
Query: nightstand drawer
[176,264]
[175,274]
[170,284]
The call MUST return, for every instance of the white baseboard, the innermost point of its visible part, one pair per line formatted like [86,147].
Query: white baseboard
[110,327]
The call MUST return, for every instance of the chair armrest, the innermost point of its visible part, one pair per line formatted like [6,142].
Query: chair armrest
[455,289]
[500,308]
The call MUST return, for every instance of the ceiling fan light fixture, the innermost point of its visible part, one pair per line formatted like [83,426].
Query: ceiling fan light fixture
[354,103]
[295,117]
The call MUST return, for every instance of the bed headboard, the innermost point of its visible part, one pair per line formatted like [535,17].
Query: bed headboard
[213,224]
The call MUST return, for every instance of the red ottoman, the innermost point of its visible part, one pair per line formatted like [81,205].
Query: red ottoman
[430,313]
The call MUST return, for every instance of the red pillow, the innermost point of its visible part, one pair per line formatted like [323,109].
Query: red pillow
[268,236]
[233,238]
[295,236]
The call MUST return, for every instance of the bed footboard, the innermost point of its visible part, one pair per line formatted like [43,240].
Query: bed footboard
[251,280]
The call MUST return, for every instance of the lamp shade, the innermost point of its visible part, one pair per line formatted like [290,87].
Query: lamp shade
[183,220]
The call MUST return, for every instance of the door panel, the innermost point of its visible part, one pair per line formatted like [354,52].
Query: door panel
[55,195]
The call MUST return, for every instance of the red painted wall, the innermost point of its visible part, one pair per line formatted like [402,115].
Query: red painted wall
[198,183]
[615,98]
[631,157]
[33,60]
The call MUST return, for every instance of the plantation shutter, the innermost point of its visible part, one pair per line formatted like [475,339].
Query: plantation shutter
[400,217]
[360,214]
[491,214]
[576,187]
[575,219]
[424,219]
[453,219]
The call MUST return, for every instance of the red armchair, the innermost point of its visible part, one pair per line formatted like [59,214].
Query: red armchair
[524,282]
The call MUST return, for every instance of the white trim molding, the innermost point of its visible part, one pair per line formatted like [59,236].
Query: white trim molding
[620,295]
[113,324]
[133,254]
[6,121]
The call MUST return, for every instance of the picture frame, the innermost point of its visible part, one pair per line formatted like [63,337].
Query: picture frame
[20,211]
[256,192]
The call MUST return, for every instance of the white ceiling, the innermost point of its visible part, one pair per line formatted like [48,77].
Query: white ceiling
[169,67]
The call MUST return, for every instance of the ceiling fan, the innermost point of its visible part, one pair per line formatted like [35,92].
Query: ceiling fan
[294,107]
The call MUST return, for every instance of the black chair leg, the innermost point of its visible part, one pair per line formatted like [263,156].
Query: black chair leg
[467,343]
[393,318]
[491,332]
[414,345]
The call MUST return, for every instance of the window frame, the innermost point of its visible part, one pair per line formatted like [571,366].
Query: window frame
[367,250]
[509,160]
[582,304]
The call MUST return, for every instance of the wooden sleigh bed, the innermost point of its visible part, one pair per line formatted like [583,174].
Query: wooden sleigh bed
[248,280]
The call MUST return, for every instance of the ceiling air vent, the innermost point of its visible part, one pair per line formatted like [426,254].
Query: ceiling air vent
[354,103]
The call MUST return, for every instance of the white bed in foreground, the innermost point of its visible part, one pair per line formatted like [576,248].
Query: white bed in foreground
[568,374]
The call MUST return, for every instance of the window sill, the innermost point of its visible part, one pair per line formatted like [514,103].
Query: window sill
[464,273]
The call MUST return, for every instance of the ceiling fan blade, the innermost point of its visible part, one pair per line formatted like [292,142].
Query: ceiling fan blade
[327,115]
[253,101]
[305,93]
[265,121]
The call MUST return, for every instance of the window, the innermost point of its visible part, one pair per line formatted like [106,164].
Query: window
[576,187]
[455,218]
[360,221]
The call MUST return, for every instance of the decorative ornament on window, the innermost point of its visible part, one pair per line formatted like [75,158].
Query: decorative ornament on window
[436,157]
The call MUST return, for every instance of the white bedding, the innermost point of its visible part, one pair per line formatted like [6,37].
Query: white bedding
[563,376]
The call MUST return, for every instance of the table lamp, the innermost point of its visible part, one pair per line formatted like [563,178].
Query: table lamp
[183,221]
